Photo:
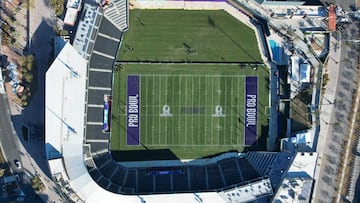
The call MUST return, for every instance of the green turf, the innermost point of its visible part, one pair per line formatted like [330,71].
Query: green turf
[187,35]
[186,134]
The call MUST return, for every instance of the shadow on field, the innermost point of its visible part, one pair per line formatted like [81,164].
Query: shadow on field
[261,142]
[213,24]
[143,155]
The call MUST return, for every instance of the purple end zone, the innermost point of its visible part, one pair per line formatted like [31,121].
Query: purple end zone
[251,110]
[133,115]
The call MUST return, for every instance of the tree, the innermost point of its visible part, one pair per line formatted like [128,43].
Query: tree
[2,171]
[29,77]
[58,6]
[27,62]
[30,4]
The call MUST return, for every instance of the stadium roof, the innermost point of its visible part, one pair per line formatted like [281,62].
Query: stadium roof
[66,115]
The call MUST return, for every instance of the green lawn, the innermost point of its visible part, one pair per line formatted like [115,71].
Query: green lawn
[187,35]
[192,92]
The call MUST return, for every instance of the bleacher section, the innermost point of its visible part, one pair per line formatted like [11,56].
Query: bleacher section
[130,178]
[261,161]
[197,178]
[214,177]
[233,174]
[145,182]
[116,12]
[162,183]
[247,171]
[119,176]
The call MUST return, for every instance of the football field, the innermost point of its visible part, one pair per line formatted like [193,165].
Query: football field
[188,35]
[188,84]
[191,110]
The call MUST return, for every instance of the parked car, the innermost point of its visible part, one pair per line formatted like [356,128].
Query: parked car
[17,163]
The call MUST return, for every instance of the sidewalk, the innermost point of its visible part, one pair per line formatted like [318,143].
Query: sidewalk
[31,166]
[327,110]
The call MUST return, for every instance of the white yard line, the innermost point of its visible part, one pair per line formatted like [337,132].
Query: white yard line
[206,93]
[212,118]
[166,121]
[160,107]
[192,106]
[218,120]
[179,108]
[146,111]
[224,109]
[231,119]
[239,133]
[153,96]
[186,83]
[173,126]
[199,123]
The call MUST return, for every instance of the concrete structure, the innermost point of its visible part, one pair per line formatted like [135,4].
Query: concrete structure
[299,75]
[2,88]
[280,3]
[69,86]
[298,180]
[77,162]
[72,9]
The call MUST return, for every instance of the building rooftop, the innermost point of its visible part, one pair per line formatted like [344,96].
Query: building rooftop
[249,192]
[89,22]
[297,183]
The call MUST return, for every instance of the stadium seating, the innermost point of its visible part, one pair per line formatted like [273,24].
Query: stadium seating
[162,183]
[247,171]
[145,182]
[197,178]
[108,169]
[180,181]
[214,178]
[114,188]
[261,161]
[231,172]
[117,14]
[130,178]
[119,176]
[95,174]
[103,182]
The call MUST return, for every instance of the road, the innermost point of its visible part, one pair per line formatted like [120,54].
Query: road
[339,93]
[10,147]
[7,134]
[40,21]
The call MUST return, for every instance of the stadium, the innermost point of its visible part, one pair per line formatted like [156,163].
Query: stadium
[167,105]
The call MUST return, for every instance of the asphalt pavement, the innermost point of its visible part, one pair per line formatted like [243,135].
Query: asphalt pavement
[7,134]
[335,122]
